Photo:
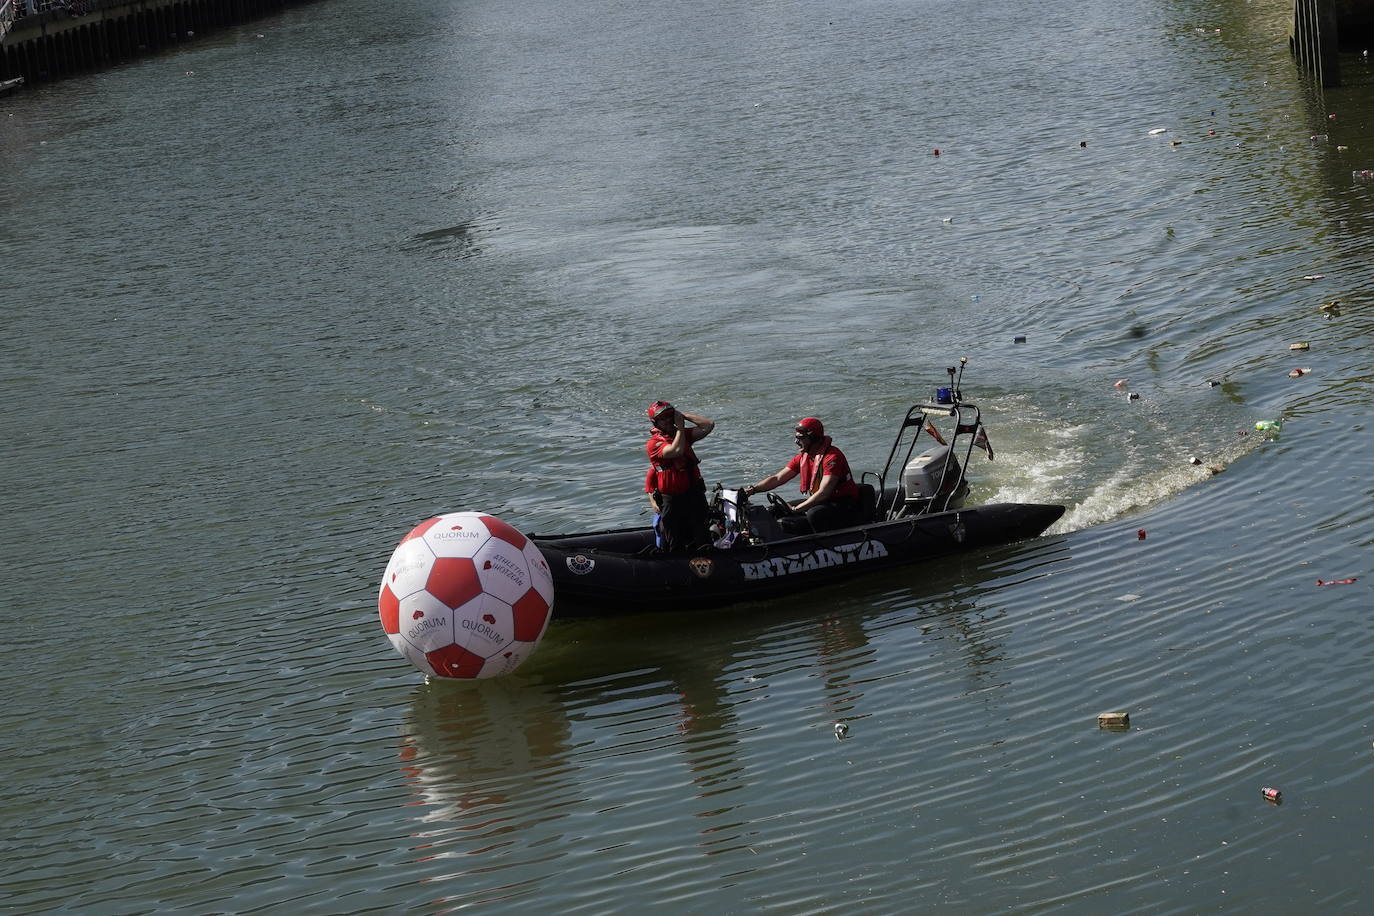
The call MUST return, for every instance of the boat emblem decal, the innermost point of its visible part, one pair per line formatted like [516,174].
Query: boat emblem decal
[702,566]
[579,565]
[820,558]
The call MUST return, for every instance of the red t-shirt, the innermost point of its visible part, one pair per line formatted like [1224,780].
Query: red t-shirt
[829,463]
[669,475]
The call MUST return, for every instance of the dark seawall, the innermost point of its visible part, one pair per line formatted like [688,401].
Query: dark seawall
[52,39]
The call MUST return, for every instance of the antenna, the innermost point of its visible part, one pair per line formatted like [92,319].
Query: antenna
[958,395]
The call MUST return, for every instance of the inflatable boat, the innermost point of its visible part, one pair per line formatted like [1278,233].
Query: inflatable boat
[758,553]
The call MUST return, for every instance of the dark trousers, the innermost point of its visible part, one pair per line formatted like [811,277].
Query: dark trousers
[682,519]
[838,513]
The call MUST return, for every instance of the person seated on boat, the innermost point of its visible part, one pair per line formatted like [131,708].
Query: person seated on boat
[674,482]
[831,495]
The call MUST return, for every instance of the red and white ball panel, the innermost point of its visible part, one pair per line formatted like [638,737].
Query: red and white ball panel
[465,595]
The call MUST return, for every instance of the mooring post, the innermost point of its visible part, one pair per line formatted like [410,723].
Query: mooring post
[1314,41]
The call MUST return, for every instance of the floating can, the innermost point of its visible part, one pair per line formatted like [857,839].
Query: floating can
[1271,794]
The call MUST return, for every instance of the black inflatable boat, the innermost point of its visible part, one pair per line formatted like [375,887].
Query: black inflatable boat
[917,516]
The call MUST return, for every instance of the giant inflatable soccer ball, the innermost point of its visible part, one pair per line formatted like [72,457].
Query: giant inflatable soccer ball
[465,596]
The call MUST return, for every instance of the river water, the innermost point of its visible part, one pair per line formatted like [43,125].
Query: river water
[276,297]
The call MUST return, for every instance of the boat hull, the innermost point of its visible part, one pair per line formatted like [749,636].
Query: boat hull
[618,572]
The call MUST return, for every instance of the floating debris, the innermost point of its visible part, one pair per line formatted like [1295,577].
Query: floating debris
[1212,384]
[1175,142]
[1350,581]
[1132,396]
[1333,306]
[1195,460]
[1019,338]
[1158,130]
[1140,534]
[1318,138]
[1315,277]
[1297,373]
[841,731]
[1300,345]
[1272,795]
[1114,720]
[1128,597]
[1215,469]
[1119,383]
[1269,426]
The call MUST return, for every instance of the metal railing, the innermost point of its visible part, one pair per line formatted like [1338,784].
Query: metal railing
[6,16]
[19,9]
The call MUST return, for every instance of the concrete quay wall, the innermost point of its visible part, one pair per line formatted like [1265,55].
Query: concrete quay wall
[52,39]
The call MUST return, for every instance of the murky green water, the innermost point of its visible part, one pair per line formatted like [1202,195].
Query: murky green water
[275,298]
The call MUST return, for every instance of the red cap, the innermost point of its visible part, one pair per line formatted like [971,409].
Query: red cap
[811,425]
[657,407]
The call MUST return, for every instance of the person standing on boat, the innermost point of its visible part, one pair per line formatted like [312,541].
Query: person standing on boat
[674,482]
[831,495]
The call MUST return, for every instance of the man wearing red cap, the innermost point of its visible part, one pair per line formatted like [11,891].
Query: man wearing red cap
[674,483]
[832,496]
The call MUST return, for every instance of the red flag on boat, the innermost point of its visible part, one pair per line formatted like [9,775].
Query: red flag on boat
[934,433]
[980,439]
[980,436]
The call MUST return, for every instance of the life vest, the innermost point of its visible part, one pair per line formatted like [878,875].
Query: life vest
[813,472]
[670,475]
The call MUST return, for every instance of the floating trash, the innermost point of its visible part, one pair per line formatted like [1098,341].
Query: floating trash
[1119,383]
[1341,149]
[1300,345]
[1362,174]
[1140,534]
[1298,373]
[1318,138]
[1272,795]
[1158,130]
[1114,720]
[1019,338]
[1175,142]
[841,731]
[1212,384]
[1128,597]
[1195,460]
[1333,306]
[1315,277]
[1267,426]
[1082,144]
[935,152]
[1132,396]
[1350,581]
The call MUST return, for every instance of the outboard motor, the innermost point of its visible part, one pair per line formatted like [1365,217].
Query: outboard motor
[933,476]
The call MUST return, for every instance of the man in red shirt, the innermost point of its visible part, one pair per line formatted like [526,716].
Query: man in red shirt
[674,483]
[831,495]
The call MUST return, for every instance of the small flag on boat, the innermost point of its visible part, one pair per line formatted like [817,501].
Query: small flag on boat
[980,436]
[934,433]
[981,441]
